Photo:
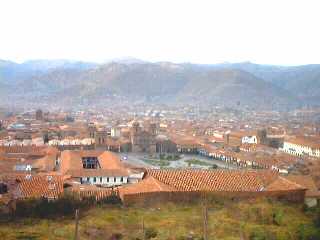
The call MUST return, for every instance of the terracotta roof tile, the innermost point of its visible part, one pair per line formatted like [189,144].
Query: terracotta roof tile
[216,180]
[37,186]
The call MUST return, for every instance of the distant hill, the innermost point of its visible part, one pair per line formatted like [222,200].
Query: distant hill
[13,73]
[231,86]
[301,81]
[132,80]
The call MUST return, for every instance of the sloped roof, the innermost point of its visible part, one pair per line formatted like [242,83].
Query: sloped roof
[223,180]
[148,184]
[109,160]
[46,163]
[307,182]
[71,163]
[38,186]
[281,184]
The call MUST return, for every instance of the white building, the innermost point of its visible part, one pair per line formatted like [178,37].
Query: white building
[302,146]
[115,132]
[107,181]
[249,140]
[95,168]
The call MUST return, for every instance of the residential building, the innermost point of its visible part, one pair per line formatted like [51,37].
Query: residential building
[301,146]
[94,167]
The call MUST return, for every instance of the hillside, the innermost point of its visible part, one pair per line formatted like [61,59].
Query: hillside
[226,220]
[70,83]
[302,81]
[234,87]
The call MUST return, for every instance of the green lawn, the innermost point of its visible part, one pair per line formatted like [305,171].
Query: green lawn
[198,162]
[241,220]
[156,162]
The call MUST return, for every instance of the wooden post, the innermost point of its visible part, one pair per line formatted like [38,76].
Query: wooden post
[242,237]
[205,218]
[143,231]
[76,237]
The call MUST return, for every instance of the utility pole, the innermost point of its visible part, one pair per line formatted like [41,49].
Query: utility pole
[76,237]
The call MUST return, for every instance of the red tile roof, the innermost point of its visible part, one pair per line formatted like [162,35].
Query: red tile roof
[148,184]
[72,160]
[214,180]
[307,182]
[88,191]
[37,186]
[110,163]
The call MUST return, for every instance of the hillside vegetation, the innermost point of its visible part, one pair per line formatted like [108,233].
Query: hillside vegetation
[256,220]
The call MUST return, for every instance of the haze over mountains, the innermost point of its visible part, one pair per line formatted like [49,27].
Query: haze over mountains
[74,83]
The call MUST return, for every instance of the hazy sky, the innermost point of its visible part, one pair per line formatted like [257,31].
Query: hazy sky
[262,31]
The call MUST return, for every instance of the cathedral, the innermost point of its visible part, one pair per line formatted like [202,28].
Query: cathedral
[143,139]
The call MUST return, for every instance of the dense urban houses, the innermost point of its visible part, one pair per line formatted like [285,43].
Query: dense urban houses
[73,144]
[301,146]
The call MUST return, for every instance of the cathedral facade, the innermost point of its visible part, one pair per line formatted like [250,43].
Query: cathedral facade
[143,140]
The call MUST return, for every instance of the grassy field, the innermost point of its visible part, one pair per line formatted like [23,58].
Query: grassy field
[234,220]
[198,162]
[157,162]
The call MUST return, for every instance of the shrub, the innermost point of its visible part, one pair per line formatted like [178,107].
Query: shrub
[258,234]
[150,233]
[308,232]
[278,218]
[112,199]
[214,166]
[116,236]
[317,217]
[42,208]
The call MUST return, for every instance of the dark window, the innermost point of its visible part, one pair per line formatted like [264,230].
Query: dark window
[114,179]
[94,179]
[100,179]
[88,179]
[3,188]
[107,179]
[90,163]
[121,179]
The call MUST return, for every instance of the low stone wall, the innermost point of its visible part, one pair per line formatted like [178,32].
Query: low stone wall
[146,199]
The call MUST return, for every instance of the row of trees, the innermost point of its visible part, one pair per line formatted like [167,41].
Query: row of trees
[64,206]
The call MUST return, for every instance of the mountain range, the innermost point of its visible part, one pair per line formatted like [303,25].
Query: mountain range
[72,83]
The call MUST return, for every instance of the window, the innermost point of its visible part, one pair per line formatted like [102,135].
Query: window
[100,179]
[3,188]
[121,179]
[90,163]
[114,179]
[107,179]
[94,179]
[88,179]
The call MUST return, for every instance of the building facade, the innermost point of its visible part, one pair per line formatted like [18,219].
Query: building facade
[143,140]
[301,147]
